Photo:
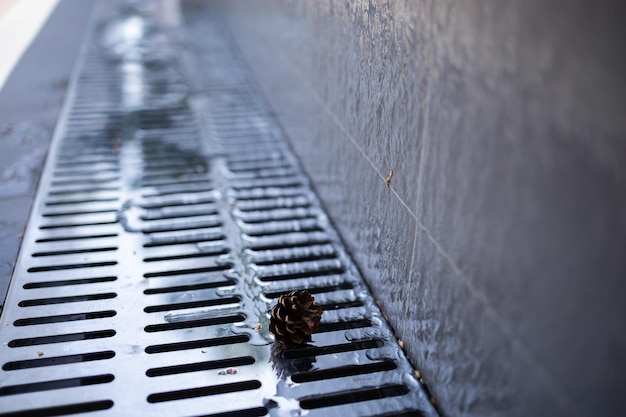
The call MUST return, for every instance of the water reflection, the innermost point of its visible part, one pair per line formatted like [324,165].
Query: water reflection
[285,367]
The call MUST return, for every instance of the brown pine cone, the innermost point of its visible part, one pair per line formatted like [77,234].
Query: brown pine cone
[294,318]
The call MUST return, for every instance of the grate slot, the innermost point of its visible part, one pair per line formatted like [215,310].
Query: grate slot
[214,321]
[257,164]
[169,174]
[192,304]
[354,396]
[78,230]
[71,266]
[185,224]
[313,290]
[259,204]
[76,224]
[166,190]
[287,240]
[344,325]
[81,190]
[200,366]
[340,305]
[56,384]
[70,172]
[277,215]
[106,173]
[312,351]
[203,391]
[74,251]
[179,212]
[281,227]
[343,371]
[85,181]
[62,338]
[279,174]
[64,318]
[179,180]
[68,282]
[70,299]
[196,344]
[178,199]
[77,213]
[75,237]
[297,270]
[79,201]
[187,271]
[58,360]
[202,235]
[63,410]
[207,253]
[190,287]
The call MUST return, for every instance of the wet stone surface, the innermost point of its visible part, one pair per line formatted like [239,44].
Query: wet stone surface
[30,101]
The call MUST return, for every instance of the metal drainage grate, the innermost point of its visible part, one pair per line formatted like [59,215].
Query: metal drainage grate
[159,238]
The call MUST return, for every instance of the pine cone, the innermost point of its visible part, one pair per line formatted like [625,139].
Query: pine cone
[294,318]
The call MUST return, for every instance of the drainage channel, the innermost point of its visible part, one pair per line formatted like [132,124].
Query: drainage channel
[168,220]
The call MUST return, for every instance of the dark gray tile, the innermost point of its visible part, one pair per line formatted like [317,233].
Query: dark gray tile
[469,362]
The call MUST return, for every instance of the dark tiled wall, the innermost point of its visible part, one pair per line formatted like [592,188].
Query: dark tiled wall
[499,250]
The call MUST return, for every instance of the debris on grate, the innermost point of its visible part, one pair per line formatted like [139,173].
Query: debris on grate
[168,221]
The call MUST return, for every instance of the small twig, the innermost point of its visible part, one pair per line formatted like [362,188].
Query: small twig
[389,177]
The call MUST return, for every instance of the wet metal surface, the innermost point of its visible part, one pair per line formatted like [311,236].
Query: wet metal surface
[170,216]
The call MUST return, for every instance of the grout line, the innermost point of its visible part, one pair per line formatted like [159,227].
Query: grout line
[542,374]
[411,212]
[422,158]
[409,281]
